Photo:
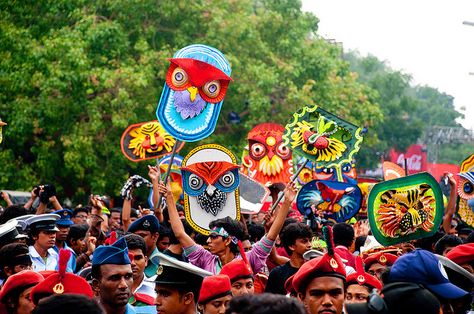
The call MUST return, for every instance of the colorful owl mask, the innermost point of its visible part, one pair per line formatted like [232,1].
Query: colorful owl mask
[210,182]
[147,140]
[322,137]
[196,84]
[466,191]
[405,209]
[269,161]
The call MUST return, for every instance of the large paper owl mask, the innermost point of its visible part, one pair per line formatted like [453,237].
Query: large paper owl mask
[210,182]
[269,161]
[147,140]
[196,84]
[323,137]
[405,209]
[466,191]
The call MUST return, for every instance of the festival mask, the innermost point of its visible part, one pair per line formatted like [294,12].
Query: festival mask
[392,171]
[465,208]
[346,172]
[176,181]
[196,84]
[307,174]
[147,140]
[210,182]
[338,201]
[269,161]
[323,138]
[405,209]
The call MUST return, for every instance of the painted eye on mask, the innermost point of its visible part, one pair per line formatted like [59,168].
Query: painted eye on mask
[346,168]
[227,180]
[212,89]
[195,182]
[283,151]
[258,150]
[179,77]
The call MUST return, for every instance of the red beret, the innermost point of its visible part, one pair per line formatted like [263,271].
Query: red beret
[237,269]
[214,287]
[360,277]
[61,282]
[381,258]
[23,279]
[326,265]
[47,273]
[462,254]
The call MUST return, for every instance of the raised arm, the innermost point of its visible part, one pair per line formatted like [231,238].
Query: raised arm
[451,207]
[282,211]
[176,224]
[126,209]
[154,174]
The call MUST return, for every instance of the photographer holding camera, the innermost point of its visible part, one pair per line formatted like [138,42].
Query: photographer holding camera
[46,194]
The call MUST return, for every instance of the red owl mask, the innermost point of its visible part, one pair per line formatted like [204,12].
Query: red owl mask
[268,161]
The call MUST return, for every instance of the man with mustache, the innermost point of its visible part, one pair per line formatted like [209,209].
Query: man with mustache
[112,277]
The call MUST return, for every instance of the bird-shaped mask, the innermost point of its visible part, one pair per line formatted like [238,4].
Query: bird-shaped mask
[196,84]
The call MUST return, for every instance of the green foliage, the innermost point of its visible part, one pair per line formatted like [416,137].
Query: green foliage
[75,74]
[407,111]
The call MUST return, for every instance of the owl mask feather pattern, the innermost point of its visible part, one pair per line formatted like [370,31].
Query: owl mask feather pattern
[196,84]
[210,182]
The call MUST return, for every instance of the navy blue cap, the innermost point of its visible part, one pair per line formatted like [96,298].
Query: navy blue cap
[423,267]
[65,220]
[116,253]
[147,223]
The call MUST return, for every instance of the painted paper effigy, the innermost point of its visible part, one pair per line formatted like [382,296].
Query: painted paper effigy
[147,140]
[465,209]
[307,174]
[405,209]
[192,97]
[323,137]
[176,181]
[392,171]
[210,181]
[338,201]
[269,160]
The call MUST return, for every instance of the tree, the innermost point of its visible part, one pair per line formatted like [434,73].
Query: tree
[75,74]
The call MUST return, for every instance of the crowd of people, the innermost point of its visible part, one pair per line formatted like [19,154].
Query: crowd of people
[103,259]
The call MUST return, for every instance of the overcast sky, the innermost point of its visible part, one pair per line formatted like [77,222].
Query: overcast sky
[423,38]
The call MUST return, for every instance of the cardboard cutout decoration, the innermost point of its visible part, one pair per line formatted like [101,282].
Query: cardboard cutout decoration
[269,161]
[339,201]
[147,140]
[252,195]
[392,171]
[323,137]
[465,208]
[307,174]
[195,87]
[210,182]
[405,209]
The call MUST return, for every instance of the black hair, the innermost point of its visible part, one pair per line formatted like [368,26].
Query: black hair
[8,253]
[470,238]
[448,240]
[135,242]
[265,303]
[359,241]
[115,210]
[187,228]
[11,212]
[292,232]
[76,232]
[68,303]
[133,213]
[256,232]
[343,234]
[80,209]
[233,227]
[95,272]
[164,232]
[428,243]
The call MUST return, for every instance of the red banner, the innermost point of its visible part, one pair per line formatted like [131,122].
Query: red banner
[415,158]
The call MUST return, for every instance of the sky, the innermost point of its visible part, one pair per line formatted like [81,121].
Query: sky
[424,38]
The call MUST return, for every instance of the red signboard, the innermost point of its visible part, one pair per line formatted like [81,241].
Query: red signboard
[415,156]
